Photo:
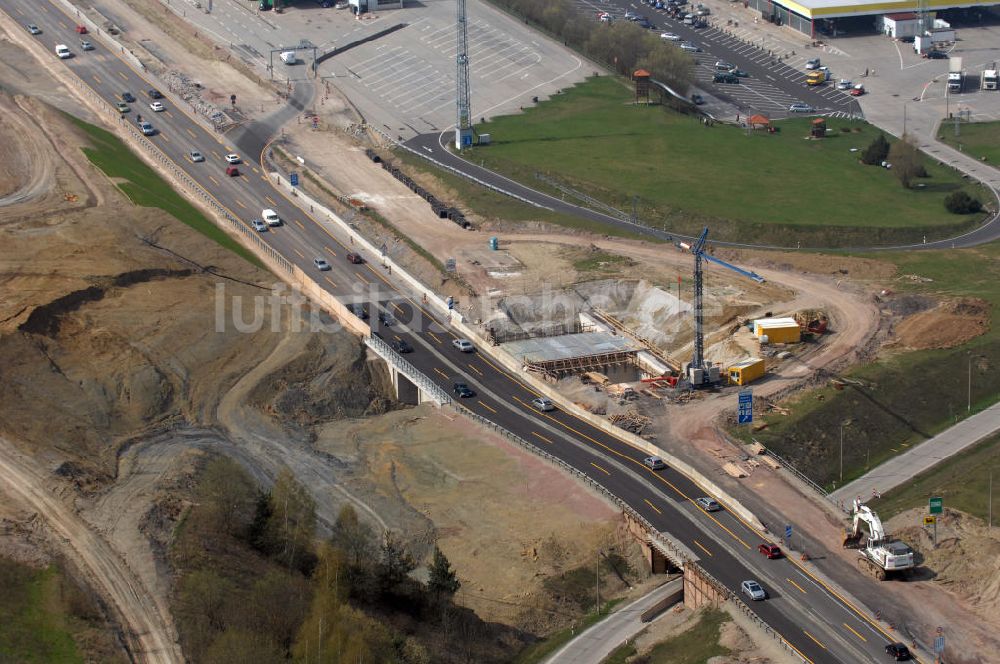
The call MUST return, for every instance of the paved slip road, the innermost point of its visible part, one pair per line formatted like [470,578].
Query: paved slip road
[811,616]
[906,466]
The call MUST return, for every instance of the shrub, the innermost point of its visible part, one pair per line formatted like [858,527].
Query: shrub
[876,152]
[959,202]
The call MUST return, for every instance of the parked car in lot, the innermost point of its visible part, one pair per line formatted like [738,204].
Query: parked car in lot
[401,346]
[722,65]
[726,77]
[857,90]
[321,264]
[708,504]
[813,64]
[772,551]
[543,404]
[753,590]
[935,54]
[654,463]
[463,390]
[898,652]
[799,107]
[739,73]
[258,225]
[670,36]
[844,84]
[463,345]
[691,48]
[196,156]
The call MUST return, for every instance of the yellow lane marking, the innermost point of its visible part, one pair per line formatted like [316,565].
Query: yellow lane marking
[441,373]
[94,76]
[487,407]
[363,279]
[855,633]
[599,468]
[217,155]
[796,585]
[188,130]
[302,227]
[434,337]
[327,247]
[122,74]
[658,510]
[301,255]
[475,369]
[213,180]
[254,169]
[264,178]
[270,200]
[398,309]
[541,437]
[240,203]
[331,281]
[167,113]
[817,641]
[164,137]
[698,544]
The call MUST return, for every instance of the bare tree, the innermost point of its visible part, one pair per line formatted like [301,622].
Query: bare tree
[907,162]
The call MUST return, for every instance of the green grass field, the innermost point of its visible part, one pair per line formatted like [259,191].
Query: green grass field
[963,481]
[978,139]
[762,187]
[145,187]
[33,619]
[904,398]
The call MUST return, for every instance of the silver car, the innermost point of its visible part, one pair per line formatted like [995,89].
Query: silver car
[543,404]
[753,590]
[463,345]
[654,463]
[708,504]
[259,226]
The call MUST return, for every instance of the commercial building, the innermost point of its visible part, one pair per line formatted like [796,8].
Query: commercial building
[832,17]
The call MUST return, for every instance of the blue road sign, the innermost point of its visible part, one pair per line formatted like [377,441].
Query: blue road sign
[294,179]
[788,532]
[744,411]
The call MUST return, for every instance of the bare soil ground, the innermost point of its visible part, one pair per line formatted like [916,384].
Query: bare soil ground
[949,324]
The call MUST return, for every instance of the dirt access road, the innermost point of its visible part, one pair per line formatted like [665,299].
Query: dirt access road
[149,636]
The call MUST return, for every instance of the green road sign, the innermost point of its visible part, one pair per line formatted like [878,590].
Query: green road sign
[935,505]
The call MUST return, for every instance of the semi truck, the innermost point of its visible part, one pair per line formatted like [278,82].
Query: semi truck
[955,75]
[988,80]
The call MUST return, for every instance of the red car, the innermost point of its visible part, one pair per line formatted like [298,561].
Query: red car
[857,90]
[81,29]
[232,171]
[353,257]
[770,550]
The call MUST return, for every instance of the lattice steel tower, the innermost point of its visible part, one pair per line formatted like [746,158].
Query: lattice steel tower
[463,123]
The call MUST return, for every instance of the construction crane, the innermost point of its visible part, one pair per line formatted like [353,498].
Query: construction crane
[463,123]
[699,373]
[879,555]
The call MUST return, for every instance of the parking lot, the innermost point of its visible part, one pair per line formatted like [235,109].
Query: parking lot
[403,82]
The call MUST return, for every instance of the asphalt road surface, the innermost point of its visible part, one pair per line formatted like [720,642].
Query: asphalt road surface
[811,616]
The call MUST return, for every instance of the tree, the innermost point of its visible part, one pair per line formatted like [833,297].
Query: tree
[227,494]
[907,163]
[876,152]
[442,580]
[293,518]
[959,202]
[395,563]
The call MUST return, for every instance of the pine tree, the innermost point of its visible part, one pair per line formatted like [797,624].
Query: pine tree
[876,152]
[442,579]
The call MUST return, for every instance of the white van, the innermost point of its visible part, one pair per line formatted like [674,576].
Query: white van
[289,57]
[270,217]
[62,50]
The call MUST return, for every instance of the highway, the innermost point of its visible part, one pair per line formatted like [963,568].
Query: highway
[812,617]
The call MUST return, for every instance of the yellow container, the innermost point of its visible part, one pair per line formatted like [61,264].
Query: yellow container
[746,371]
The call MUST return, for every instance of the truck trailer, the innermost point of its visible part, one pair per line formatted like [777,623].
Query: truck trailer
[955,75]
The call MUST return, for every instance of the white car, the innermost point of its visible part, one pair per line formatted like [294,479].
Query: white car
[670,36]
[463,345]
[196,156]
[271,217]
[844,84]
[813,64]
[799,107]
[233,158]
[753,590]
[156,106]
[321,264]
[62,50]
[688,46]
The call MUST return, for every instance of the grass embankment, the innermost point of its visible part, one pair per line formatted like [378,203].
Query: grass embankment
[980,140]
[765,188]
[692,646]
[908,396]
[45,617]
[491,205]
[963,481]
[537,652]
[146,188]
